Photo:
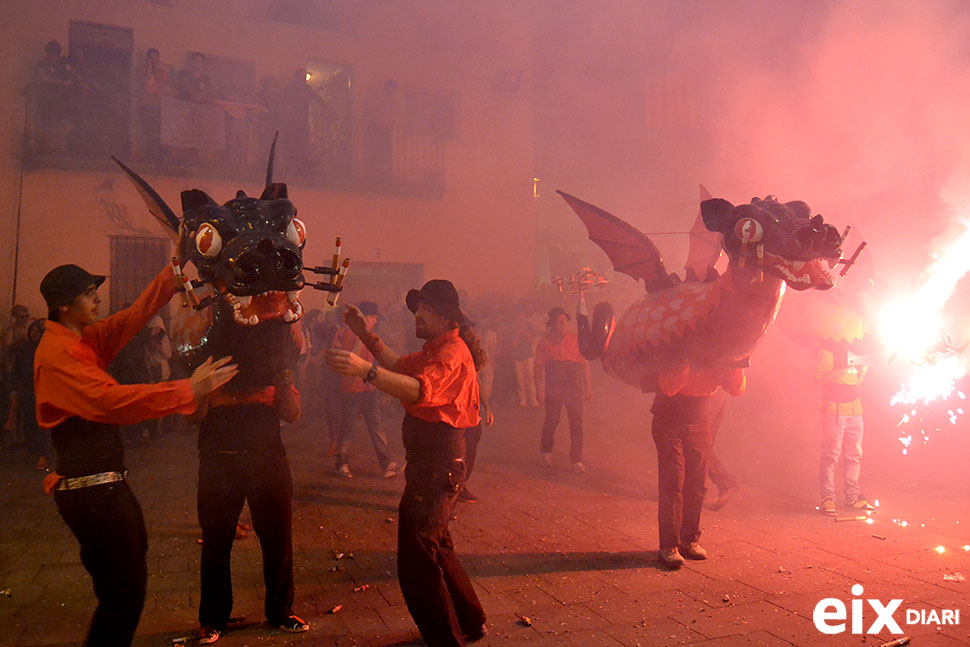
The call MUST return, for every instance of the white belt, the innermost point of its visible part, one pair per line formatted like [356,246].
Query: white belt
[90,480]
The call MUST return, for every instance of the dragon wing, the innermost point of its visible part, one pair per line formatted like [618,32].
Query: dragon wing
[631,252]
[704,247]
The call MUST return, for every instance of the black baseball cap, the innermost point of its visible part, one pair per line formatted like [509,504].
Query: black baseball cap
[441,296]
[65,282]
[369,309]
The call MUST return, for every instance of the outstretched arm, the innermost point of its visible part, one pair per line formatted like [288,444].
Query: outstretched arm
[403,387]
[110,335]
[357,323]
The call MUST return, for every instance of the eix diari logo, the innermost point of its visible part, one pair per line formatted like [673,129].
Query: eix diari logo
[830,615]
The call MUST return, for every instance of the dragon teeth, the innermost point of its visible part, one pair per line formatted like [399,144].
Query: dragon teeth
[245,301]
[289,316]
[293,295]
[252,320]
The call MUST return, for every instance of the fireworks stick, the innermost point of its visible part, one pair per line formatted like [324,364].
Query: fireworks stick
[860,517]
[849,263]
[761,262]
[845,233]
[177,271]
[188,292]
[899,642]
[336,260]
[339,283]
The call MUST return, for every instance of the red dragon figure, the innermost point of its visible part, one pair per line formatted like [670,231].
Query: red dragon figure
[710,324]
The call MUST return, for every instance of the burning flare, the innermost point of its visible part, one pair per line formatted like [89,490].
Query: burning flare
[913,328]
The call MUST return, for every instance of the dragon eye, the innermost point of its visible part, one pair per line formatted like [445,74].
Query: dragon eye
[296,232]
[749,230]
[208,241]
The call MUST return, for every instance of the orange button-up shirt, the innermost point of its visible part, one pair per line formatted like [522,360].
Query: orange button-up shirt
[70,377]
[449,382]
[701,382]
[550,349]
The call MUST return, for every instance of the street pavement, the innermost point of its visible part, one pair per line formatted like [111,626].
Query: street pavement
[558,558]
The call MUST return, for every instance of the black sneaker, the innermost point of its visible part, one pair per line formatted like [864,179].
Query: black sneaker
[466,496]
[476,635]
[293,624]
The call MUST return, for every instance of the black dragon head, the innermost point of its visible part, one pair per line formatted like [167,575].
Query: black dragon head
[250,251]
[796,244]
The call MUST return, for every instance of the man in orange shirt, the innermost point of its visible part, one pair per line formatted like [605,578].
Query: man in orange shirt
[562,379]
[438,387]
[83,405]
[357,397]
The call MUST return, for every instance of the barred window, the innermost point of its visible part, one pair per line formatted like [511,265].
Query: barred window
[135,260]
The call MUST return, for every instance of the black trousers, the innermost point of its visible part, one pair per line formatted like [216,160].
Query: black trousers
[574,413]
[682,433]
[436,588]
[241,458]
[720,476]
[226,481]
[108,524]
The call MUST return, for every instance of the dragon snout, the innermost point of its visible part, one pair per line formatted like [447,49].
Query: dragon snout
[288,264]
[267,262]
[819,238]
[247,268]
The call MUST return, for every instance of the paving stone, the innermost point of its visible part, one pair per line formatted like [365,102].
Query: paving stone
[727,621]
[753,639]
[663,632]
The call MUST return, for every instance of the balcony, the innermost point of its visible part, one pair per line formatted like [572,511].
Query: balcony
[222,139]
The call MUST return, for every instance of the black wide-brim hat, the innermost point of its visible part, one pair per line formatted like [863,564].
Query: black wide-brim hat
[64,283]
[441,296]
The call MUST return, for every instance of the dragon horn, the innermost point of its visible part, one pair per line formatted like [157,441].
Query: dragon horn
[272,160]
[156,205]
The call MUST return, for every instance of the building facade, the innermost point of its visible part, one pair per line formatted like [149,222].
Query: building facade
[406,128]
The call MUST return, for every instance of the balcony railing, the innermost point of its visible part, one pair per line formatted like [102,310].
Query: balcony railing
[229,140]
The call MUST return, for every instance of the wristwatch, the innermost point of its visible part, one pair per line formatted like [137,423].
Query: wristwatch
[371,374]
